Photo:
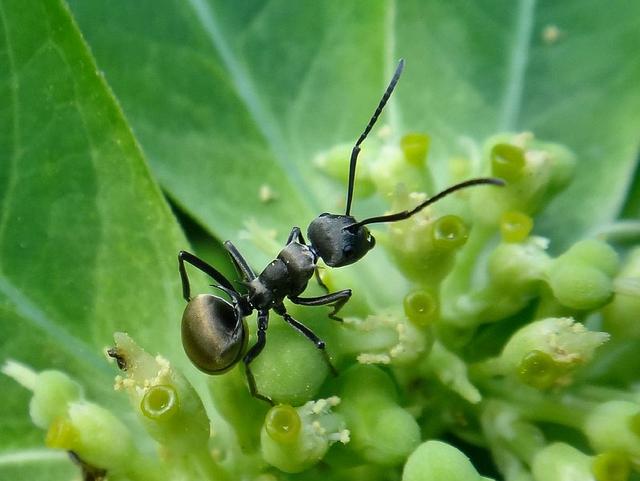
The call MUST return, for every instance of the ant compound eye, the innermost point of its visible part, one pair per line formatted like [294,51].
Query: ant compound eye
[372,241]
[347,250]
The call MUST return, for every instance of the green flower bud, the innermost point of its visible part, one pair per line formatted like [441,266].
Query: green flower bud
[545,353]
[519,267]
[620,316]
[283,424]
[578,285]
[290,369]
[611,466]
[94,434]
[613,426]
[597,254]
[425,249]
[438,461]
[415,148]
[581,278]
[53,391]
[387,338]
[507,162]
[515,226]
[451,371]
[534,172]
[561,462]
[515,273]
[382,432]
[168,406]
[294,439]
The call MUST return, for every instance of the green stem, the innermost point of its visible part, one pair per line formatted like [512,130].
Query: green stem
[565,410]
[20,373]
[459,281]
[603,394]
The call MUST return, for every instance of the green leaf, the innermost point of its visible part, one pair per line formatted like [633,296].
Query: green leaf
[502,69]
[227,96]
[87,242]
[34,463]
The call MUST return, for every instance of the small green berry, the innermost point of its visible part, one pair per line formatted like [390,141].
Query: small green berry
[160,403]
[596,253]
[421,307]
[449,232]
[515,226]
[294,439]
[539,370]
[507,161]
[283,423]
[561,462]
[438,461]
[613,426]
[415,147]
[579,285]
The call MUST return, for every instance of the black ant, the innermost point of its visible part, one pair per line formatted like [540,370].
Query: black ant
[214,331]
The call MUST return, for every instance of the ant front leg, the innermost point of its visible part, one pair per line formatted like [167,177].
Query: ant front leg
[239,262]
[337,299]
[263,323]
[309,334]
[184,256]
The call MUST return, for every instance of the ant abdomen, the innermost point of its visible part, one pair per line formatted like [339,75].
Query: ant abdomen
[214,334]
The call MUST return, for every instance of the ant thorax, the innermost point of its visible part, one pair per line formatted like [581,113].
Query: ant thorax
[285,276]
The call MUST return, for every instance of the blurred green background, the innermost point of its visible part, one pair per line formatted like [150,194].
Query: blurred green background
[106,107]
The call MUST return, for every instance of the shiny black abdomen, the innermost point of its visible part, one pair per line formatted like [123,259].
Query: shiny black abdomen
[214,334]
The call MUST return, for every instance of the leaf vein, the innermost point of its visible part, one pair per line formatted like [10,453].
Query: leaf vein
[517,66]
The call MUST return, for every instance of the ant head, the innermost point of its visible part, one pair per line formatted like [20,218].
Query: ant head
[338,240]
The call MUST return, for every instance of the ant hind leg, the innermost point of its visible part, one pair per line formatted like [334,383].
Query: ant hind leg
[195,261]
[309,334]
[256,349]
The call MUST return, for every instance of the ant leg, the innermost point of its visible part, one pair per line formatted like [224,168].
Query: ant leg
[263,322]
[239,262]
[322,285]
[309,334]
[184,256]
[338,299]
[296,234]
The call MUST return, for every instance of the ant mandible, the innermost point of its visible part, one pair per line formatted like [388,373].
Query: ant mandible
[214,331]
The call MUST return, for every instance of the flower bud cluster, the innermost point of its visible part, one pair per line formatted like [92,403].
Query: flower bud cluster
[500,341]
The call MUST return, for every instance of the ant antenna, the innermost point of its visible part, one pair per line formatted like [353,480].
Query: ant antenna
[405,214]
[374,117]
